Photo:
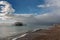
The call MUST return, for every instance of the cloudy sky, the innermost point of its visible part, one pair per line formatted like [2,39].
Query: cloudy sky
[36,11]
[26,6]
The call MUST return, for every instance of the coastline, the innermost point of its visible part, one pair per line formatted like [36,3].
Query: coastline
[52,33]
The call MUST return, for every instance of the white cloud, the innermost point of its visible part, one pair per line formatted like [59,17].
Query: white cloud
[43,6]
[50,17]
[5,10]
[40,5]
[53,2]
[54,15]
[7,7]
[50,3]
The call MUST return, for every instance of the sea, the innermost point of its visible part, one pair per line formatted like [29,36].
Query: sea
[12,30]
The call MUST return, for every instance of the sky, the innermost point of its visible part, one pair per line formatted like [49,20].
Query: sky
[26,6]
[48,11]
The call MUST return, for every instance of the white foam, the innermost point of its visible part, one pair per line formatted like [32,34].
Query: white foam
[19,36]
